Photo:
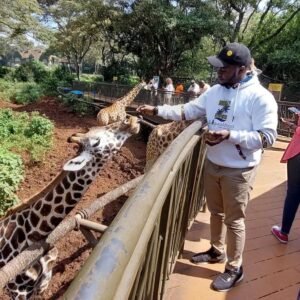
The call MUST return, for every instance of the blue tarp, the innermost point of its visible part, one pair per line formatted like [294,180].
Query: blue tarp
[76,92]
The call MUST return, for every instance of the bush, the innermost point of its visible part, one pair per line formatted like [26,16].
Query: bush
[10,126]
[38,125]
[91,78]
[6,89]
[30,71]
[79,105]
[23,132]
[4,71]
[11,174]
[27,92]
[128,79]
[20,92]
[60,76]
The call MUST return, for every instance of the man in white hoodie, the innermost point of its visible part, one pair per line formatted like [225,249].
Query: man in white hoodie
[242,120]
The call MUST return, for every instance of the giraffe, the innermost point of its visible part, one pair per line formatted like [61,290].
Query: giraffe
[117,111]
[161,137]
[34,220]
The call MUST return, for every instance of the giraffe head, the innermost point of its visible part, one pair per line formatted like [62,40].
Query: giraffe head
[101,142]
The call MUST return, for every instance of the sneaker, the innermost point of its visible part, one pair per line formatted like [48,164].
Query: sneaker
[227,280]
[281,237]
[211,256]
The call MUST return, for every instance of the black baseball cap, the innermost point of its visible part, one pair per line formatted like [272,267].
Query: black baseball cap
[232,54]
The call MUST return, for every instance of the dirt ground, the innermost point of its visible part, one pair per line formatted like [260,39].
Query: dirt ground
[126,165]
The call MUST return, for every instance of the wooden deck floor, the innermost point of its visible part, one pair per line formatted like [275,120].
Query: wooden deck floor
[272,270]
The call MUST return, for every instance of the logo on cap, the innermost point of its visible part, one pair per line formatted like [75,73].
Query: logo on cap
[229,53]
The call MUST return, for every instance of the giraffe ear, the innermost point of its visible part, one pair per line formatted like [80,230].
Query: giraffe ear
[77,163]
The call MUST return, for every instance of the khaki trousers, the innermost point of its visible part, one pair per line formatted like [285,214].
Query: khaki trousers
[228,192]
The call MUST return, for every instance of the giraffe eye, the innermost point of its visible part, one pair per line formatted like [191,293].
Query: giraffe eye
[97,143]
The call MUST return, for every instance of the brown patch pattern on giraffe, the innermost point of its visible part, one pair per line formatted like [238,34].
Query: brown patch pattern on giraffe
[117,111]
[34,220]
[161,137]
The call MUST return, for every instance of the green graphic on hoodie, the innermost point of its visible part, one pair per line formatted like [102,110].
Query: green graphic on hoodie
[221,114]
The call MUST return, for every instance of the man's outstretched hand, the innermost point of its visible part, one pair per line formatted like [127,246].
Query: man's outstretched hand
[213,138]
[146,110]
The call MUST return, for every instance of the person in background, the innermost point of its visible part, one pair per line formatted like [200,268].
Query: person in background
[254,69]
[292,199]
[179,88]
[193,90]
[168,91]
[242,120]
[203,87]
[149,86]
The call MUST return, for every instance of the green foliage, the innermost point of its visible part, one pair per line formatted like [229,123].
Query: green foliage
[128,79]
[169,31]
[279,61]
[6,89]
[10,90]
[4,71]
[58,77]
[19,17]
[11,174]
[39,126]
[194,63]
[20,92]
[78,27]
[31,71]
[23,132]
[31,91]
[61,73]
[79,105]
[118,69]
[91,78]
[27,92]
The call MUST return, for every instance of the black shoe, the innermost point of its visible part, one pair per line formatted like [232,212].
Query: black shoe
[225,281]
[209,257]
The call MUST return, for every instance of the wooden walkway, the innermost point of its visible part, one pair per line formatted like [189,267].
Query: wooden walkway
[272,270]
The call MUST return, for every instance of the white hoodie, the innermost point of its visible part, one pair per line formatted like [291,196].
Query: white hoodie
[249,112]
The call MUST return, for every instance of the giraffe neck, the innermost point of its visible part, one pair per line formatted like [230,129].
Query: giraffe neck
[36,221]
[129,97]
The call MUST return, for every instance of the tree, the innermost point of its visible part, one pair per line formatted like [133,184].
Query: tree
[160,33]
[18,17]
[78,26]
[256,22]
[280,58]
[276,16]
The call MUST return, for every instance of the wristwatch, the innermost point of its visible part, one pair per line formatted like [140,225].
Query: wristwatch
[155,111]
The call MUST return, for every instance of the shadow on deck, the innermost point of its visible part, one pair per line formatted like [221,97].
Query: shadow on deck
[272,270]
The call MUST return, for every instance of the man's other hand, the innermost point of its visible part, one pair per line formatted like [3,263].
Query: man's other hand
[213,138]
